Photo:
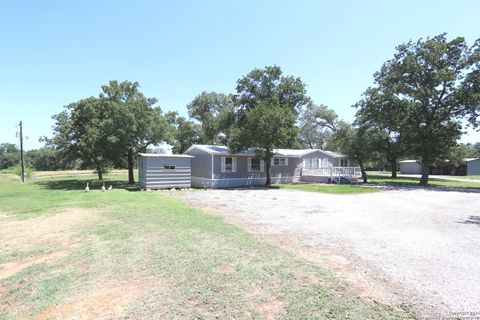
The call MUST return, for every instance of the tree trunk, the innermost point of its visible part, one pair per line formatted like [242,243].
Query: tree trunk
[267,171]
[425,173]
[364,173]
[393,164]
[131,178]
[100,174]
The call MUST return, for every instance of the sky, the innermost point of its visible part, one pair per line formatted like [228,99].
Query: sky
[53,53]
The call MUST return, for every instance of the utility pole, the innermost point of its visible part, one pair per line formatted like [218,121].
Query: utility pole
[22,161]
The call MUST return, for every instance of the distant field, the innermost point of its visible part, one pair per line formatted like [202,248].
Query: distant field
[66,253]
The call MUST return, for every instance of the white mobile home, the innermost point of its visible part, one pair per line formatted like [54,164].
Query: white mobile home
[162,171]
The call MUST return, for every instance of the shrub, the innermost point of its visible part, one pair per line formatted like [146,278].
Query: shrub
[18,171]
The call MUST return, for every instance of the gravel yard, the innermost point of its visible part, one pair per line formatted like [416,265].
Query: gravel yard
[420,247]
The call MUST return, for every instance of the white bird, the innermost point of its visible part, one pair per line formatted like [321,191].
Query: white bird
[87,188]
[103,187]
[110,188]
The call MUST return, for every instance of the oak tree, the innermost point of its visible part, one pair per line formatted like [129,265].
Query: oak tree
[266,107]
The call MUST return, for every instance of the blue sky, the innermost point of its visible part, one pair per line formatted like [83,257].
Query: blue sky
[56,52]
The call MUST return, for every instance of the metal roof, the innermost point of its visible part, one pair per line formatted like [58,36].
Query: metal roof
[297,153]
[163,155]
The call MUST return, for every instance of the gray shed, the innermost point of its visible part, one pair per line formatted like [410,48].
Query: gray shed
[473,166]
[162,171]
[410,167]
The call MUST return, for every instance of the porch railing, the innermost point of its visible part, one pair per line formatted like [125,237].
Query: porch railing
[333,172]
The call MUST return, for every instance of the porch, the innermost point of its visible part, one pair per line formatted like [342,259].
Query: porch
[331,174]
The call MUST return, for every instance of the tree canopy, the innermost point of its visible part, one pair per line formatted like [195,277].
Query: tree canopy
[120,123]
[184,132]
[317,123]
[386,117]
[215,113]
[137,123]
[9,155]
[266,106]
[421,96]
[264,85]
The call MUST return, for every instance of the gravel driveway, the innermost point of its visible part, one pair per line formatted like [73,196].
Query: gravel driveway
[413,246]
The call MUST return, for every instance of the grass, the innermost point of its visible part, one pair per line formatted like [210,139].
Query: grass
[476,177]
[327,188]
[387,180]
[133,254]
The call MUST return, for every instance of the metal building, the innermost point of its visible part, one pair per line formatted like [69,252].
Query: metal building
[162,171]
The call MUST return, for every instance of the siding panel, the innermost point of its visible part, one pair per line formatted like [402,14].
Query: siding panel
[473,167]
[153,175]
[201,164]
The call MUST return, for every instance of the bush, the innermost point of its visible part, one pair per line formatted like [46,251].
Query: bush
[18,171]
[7,170]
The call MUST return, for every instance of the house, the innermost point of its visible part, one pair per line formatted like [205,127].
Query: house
[216,167]
[161,171]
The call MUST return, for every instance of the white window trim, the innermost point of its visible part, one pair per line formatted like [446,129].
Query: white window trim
[283,165]
[234,165]
[249,165]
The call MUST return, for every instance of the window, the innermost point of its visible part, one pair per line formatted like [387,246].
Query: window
[311,163]
[305,163]
[343,162]
[229,164]
[169,167]
[324,163]
[315,163]
[280,161]
[255,165]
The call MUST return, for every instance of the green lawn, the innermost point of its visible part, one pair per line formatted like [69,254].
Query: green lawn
[387,180]
[477,177]
[327,188]
[129,254]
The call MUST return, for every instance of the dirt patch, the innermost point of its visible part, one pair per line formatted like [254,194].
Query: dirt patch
[58,229]
[11,268]
[107,302]
[270,308]
[226,267]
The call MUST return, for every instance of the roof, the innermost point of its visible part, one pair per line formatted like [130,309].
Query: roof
[471,159]
[408,161]
[294,153]
[163,155]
